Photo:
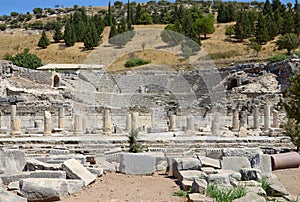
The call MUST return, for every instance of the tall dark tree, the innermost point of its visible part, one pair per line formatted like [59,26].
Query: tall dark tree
[113,31]
[69,34]
[297,17]
[92,36]
[109,18]
[292,108]
[57,36]
[261,32]
[242,27]
[43,41]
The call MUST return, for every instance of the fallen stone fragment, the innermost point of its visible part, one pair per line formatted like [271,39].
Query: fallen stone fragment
[199,186]
[191,175]
[34,164]
[186,185]
[209,162]
[276,188]
[235,163]
[33,174]
[251,196]
[258,190]
[13,186]
[221,179]
[75,170]
[250,174]
[96,171]
[12,161]
[74,186]
[137,164]
[42,190]
[6,196]
[263,163]
[196,197]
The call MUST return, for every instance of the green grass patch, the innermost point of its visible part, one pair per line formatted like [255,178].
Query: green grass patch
[279,57]
[223,55]
[225,195]
[134,62]
[181,193]
[297,53]
[265,184]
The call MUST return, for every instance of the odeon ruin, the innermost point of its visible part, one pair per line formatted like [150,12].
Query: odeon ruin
[85,109]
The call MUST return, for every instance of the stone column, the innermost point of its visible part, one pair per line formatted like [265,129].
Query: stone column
[47,123]
[216,123]
[235,120]
[106,122]
[15,123]
[173,120]
[275,119]
[266,117]
[244,119]
[256,117]
[61,117]
[135,120]
[190,123]
[128,122]
[78,125]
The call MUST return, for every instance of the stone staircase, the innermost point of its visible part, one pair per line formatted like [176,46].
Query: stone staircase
[174,146]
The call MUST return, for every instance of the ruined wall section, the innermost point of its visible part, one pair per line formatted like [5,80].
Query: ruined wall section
[40,77]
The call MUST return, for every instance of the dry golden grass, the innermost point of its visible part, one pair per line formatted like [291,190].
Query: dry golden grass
[217,43]
[156,57]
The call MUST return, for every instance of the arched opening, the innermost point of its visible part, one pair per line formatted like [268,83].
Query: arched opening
[233,84]
[56,81]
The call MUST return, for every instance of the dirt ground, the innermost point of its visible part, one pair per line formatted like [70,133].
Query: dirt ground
[115,187]
[290,178]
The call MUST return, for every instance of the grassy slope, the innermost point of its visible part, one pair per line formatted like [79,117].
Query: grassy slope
[217,43]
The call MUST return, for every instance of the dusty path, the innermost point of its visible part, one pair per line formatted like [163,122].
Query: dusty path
[115,187]
[290,178]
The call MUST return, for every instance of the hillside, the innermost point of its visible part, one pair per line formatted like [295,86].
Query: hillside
[217,45]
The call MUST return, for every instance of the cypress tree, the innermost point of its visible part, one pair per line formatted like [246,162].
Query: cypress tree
[57,33]
[92,37]
[69,34]
[44,41]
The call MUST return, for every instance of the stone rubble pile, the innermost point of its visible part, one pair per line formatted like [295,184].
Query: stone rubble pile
[45,178]
[249,168]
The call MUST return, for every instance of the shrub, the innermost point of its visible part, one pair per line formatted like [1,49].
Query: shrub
[133,62]
[181,193]
[134,146]
[265,184]
[279,57]
[225,195]
[297,53]
[26,59]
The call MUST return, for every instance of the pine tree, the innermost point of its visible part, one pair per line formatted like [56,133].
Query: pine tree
[69,34]
[289,41]
[44,41]
[57,33]
[205,25]
[242,27]
[261,31]
[292,108]
[92,37]
[113,31]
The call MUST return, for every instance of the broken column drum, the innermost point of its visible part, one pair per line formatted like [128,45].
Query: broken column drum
[106,122]
[47,123]
[15,122]
[173,120]
[267,117]
[256,117]
[78,125]
[235,120]
[61,117]
[128,122]
[285,160]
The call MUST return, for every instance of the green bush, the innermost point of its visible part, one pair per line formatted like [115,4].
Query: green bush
[134,146]
[225,195]
[181,193]
[26,59]
[223,55]
[279,57]
[133,62]
[297,53]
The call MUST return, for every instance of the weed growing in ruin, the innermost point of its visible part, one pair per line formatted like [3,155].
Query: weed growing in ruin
[225,195]
[265,184]
[134,146]
[181,193]
[133,62]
